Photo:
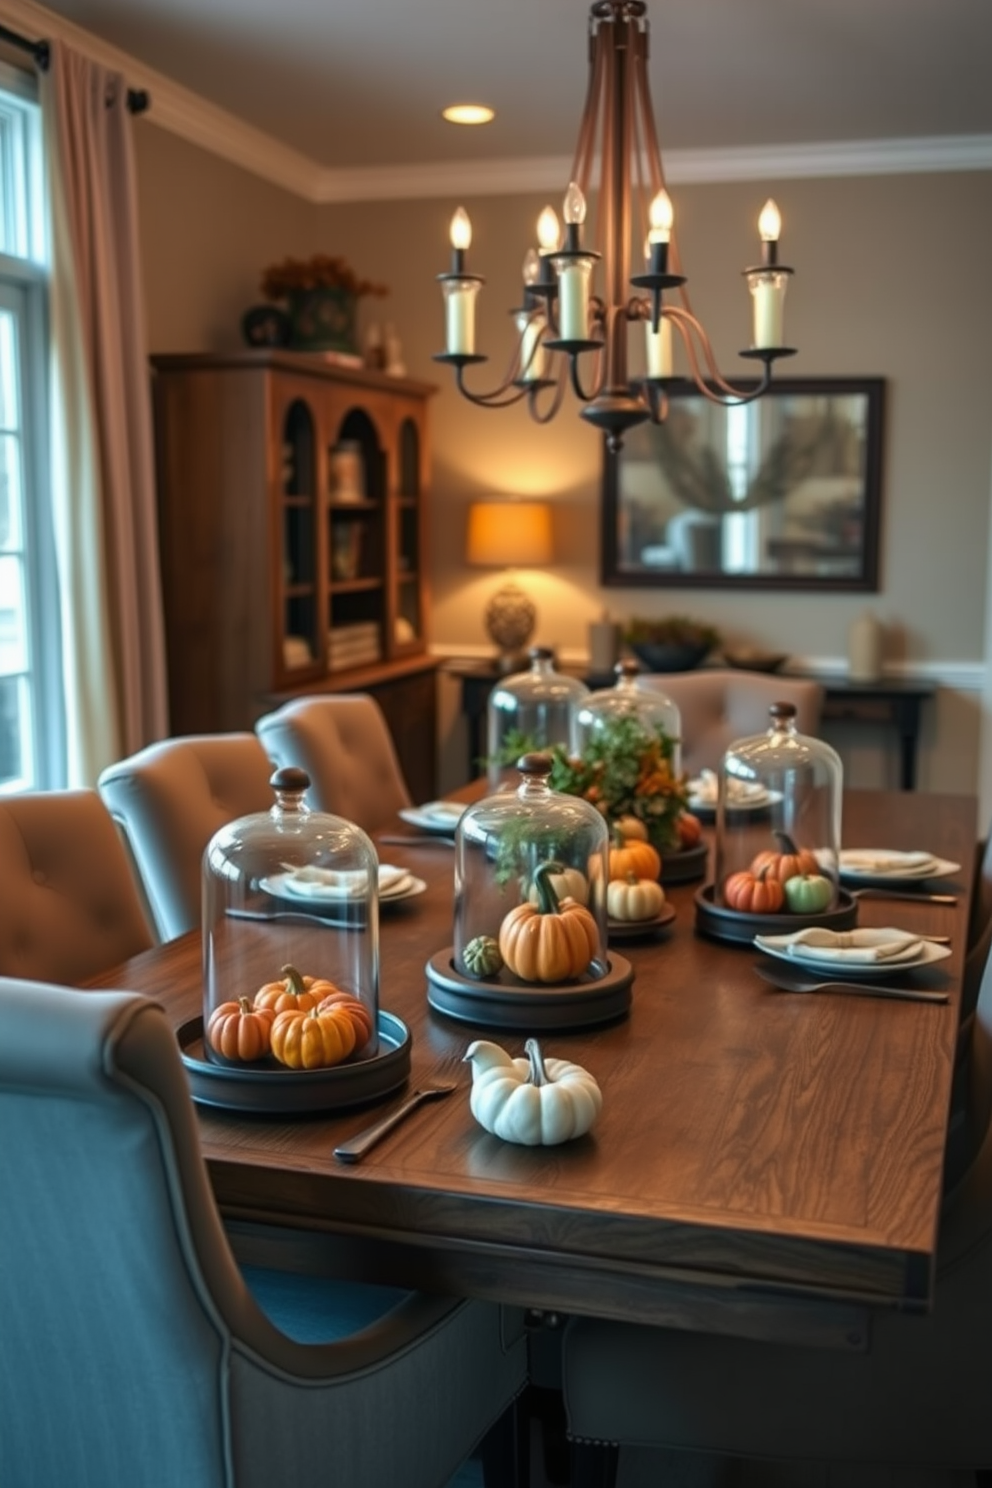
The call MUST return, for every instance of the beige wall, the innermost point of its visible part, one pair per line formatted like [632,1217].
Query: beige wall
[892,279]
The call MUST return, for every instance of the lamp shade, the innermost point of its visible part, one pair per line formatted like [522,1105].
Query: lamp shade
[509,534]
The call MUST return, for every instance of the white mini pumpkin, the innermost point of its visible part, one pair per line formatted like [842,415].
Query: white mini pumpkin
[534,1101]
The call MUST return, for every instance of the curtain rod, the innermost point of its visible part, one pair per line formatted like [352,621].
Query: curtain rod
[137,99]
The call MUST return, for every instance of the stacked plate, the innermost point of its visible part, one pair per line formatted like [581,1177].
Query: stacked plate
[324,886]
[854,953]
[885,867]
[742,795]
[436,816]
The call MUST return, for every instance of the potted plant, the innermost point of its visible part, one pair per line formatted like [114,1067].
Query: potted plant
[672,644]
[321,295]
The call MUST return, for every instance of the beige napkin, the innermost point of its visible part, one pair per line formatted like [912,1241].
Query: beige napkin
[707,788]
[881,860]
[329,883]
[858,946]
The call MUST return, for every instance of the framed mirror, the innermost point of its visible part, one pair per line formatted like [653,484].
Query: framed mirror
[781,493]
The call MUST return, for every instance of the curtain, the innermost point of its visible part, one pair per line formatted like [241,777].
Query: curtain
[102,461]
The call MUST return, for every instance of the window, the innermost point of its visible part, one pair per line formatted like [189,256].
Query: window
[32,750]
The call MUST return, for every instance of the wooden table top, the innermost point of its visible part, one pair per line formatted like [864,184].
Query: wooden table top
[757,1152]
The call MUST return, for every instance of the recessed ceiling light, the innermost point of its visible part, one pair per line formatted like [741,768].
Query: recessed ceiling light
[468,113]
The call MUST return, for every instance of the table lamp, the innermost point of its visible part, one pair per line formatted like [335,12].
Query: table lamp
[509,534]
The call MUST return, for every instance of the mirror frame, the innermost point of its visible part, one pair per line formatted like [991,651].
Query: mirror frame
[872,389]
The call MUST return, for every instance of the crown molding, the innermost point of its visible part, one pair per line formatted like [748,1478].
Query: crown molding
[175,108]
[200,123]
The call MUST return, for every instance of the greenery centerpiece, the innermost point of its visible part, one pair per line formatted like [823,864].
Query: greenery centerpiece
[625,771]
[321,294]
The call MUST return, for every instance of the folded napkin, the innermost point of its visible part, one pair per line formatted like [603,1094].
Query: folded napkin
[328,883]
[882,860]
[858,946]
[707,789]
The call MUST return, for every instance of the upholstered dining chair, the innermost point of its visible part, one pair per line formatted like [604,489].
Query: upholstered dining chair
[344,744]
[721,705]
[169,799]
[918,1399]
[136,1354]
[71,907]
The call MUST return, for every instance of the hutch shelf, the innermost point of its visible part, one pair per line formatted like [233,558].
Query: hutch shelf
[292,494]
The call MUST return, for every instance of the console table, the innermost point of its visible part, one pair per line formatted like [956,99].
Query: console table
[894,702]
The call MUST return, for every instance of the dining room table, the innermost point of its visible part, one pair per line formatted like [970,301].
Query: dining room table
[765,1163]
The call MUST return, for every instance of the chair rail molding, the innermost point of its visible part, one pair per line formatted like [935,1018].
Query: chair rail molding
[201,123]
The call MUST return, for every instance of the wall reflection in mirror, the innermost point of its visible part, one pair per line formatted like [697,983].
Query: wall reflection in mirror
[781,493]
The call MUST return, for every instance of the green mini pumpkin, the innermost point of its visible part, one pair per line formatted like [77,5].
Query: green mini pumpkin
[481,957]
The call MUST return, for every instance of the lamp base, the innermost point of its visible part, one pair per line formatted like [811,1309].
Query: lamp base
[510,619]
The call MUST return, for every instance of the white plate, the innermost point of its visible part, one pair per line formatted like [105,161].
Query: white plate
[706,805]
[287,886]
[856,970]
[435,816]
[937,868]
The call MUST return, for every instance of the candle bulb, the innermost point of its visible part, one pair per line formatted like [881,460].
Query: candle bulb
[574,273]
[768,284]
[660,219]
[459,294]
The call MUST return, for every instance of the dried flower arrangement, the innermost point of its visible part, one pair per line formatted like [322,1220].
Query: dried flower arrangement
[322,271]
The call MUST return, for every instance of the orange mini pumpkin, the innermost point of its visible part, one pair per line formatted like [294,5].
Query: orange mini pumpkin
[553,941]
[356,1010]
[313,1039]
[294,993]
[628,855]
[753,893]
[238,1031]
[788,861]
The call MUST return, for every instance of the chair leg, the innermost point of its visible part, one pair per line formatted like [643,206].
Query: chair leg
[594,1464]
[547,1408]
[506,1448]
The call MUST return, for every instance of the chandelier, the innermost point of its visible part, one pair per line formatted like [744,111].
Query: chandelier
[566,333]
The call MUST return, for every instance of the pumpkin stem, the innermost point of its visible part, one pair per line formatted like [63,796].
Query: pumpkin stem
[786,844]
[294,980]
[538,1074]
[244,1005]
[547,899]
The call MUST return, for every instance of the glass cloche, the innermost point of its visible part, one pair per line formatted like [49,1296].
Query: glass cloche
[654,709]
[531,869]
[290,937]
[531,710]
[778,822]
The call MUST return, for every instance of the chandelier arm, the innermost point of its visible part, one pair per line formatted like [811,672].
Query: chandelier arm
[556,402]
[599,378]
[717,389]
[497,398]
[586,142]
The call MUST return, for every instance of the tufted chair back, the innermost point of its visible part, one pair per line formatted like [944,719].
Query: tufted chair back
[169,800]
[720,706]
[344,744]
[71,907]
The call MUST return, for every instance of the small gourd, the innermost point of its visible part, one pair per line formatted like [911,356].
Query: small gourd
[570,883]
[356,1010]
[754,893]
[482,957]
[294,992]
[634,898]
[628,855]
[631,828]
[552,942]
[313,1039]
[788,861]
[534,1101]
[238,1031]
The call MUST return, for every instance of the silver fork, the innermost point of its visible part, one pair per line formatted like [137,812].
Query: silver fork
[442,1083]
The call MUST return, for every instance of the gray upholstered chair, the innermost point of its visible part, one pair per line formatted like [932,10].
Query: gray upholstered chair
[71,907]
[344,744]
[169,800]
[134,1353]
[720,706]
[917,1399]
